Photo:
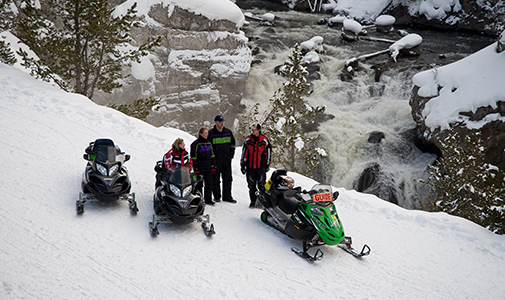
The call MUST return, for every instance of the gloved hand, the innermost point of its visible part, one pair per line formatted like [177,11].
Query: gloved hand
[197,172]
[242,168]
[213,171]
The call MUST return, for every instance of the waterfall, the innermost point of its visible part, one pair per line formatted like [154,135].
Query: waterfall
[370,140]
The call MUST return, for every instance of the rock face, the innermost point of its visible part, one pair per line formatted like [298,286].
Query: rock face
[200,69]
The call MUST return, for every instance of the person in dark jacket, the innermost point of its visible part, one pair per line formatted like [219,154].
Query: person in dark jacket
[204,162]
[255,161]
[223,144]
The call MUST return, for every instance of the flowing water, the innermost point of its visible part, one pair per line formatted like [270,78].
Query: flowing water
[371,103]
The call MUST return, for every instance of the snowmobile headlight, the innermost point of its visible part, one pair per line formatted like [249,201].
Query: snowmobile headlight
[186,191]
[101,169]
[113,170]
[316,211]
[175,190]
[333,211]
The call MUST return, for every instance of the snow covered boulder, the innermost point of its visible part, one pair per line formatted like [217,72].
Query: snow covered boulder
[311,57]
[314,44]
[408,44]
[466,94]
[336,21]
[384,23]
[267,19]
[351,29]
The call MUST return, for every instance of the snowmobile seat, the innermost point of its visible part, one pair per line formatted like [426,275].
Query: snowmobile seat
[287,200]
[274,192]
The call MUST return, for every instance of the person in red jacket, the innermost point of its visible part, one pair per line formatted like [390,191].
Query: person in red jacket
[177,156]
[255,161]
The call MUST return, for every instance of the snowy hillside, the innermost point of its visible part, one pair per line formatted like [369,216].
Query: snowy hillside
[47,251]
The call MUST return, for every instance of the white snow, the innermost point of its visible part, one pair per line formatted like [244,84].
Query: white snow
[385,20]
[143,70]
[48,252]
[315,43]
[407,42]
[337,20]
[268,17]
[473,82]
[311,57]
[370,9]
[352,25]
[212,9]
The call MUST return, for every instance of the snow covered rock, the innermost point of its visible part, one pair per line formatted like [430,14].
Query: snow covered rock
[270,17]
[336,21]
[314,44]
[384,23]
[408,44]
[467,94]
[351,29]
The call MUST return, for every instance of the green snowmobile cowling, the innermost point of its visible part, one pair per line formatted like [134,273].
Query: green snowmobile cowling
[326,221]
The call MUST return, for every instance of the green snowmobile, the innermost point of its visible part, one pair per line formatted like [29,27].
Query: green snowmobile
[309,216]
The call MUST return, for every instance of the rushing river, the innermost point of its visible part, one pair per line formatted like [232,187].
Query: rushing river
[366,104]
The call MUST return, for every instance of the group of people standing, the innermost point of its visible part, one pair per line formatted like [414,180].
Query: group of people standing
[211,155]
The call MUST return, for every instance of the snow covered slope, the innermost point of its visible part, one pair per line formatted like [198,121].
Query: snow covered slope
[49,252]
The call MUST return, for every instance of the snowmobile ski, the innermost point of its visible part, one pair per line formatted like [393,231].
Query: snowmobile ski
[346,245]
[208,228]
[84,197]
[305,254]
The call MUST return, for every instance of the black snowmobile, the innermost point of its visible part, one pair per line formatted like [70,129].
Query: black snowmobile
[105,178]
[307,216]
[176,200]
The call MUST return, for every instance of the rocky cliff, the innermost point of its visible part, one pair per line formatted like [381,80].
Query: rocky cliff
[199,70]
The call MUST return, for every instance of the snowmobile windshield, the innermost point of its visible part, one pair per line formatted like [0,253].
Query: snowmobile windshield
[105,154]
[180,177]
[321,193]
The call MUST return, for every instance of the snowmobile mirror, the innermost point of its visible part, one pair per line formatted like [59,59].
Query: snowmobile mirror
[85,156]
[335,195]
[127,157]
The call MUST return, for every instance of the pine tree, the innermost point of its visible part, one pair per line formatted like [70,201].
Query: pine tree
[6,21]
[295,149]
[139,109]
[467,186]
[80,44]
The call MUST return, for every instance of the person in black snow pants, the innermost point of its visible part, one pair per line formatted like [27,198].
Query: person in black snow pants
[204,162]
[223,144]
[255,161]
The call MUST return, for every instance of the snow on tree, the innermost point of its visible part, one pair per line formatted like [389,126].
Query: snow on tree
[79,44]
[296,149]
[465,185]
